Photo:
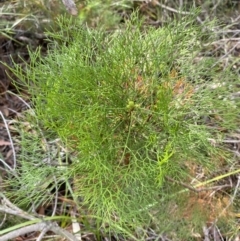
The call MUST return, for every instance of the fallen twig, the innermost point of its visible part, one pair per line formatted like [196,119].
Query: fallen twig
[42,226]
[22,231]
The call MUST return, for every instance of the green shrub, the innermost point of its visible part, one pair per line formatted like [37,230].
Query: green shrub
[135,107]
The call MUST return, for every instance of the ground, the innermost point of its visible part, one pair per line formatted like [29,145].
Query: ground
[16,36]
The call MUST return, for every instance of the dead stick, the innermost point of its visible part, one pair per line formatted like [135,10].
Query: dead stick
[22,231]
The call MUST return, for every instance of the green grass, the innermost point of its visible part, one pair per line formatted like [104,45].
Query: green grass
[135,108]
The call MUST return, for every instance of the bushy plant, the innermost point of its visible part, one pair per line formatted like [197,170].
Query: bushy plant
[135,107]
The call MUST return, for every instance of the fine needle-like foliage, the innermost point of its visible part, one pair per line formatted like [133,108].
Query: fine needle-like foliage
[135,107]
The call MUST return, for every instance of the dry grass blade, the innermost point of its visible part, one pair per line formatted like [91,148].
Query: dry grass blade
[11,142]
